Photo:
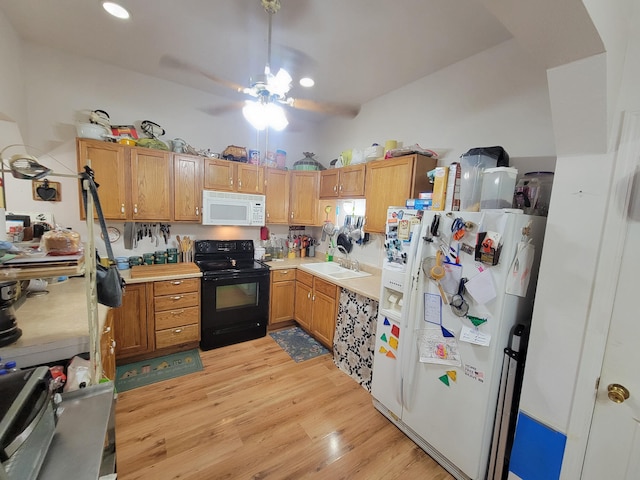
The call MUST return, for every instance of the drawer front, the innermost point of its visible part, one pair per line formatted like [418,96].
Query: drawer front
[283,275]
[170,287]
[179,300]
[325,287]
[177,317]
[304,277]
[177,336]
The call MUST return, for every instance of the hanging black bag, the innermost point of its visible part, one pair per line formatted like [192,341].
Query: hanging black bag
[109,283]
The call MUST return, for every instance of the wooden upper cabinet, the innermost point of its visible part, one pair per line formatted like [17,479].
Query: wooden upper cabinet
[187,177]
[224,175]
[277,195]
[218,174]
[329,181]
[346,182]
[303,201]
[249,178]
[151,185]
[391,182]
[108,161]
[352,181]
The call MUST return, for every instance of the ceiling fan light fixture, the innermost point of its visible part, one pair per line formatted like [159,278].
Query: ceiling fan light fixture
[116,10]
[264,114]
[276,117]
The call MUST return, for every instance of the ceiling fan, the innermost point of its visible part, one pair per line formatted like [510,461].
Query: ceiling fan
[268,89]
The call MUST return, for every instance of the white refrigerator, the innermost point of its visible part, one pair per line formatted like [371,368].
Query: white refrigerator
[439,354]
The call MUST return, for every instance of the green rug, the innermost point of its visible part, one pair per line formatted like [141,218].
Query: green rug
[298,344]
[146,372]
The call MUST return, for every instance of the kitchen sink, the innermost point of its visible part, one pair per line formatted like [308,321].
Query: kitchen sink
[333,270]
[346,273]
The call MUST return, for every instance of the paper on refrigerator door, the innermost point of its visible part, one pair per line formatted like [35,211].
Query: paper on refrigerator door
[520,270]
[434,347]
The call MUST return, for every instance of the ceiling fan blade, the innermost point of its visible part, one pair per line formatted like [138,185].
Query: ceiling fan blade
[222,109]
[176,63]
[348,111]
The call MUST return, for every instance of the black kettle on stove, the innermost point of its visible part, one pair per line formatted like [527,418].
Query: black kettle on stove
[9,331]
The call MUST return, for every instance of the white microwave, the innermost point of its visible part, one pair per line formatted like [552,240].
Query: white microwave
[228,208]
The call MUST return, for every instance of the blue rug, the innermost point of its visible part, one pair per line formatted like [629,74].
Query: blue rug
[298,344]
[154,370]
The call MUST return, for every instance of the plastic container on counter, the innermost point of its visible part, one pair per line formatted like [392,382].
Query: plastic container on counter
[498,185]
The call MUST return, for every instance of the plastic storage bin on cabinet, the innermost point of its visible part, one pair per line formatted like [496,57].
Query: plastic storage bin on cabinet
[472,164]
[498,185]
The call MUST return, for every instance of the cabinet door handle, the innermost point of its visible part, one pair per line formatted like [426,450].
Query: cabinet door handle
[231,182]
[198,211]
[340,187]
[177,297]
[107,329]
[122,208]
[291,214]
[308,294]
[284,272]
[335,188]
[177,330]
[135,208]
[268,215]
[175,313]
[239,183]
[176,282]
[313,298]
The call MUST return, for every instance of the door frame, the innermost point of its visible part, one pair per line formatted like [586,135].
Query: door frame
[626,158]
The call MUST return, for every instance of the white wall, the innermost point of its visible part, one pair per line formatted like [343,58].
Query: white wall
[498,97]
[12,92]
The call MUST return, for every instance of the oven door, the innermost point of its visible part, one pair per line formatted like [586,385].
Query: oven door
[235,308]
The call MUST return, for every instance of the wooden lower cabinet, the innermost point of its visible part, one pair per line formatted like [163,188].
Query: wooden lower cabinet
[303,302]
[316,306]
[133,334]
[281,296]
[108,347]
[157,318]
[176,308]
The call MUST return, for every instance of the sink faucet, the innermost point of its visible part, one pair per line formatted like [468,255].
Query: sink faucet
[346,262]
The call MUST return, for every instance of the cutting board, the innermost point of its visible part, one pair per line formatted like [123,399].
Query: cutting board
[163,270]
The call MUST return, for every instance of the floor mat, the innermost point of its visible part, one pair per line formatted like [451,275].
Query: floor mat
[139,374]
[298,344]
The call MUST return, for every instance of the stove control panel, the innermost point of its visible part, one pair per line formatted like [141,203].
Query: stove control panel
[224,246]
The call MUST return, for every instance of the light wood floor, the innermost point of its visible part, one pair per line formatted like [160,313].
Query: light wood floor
[253,413]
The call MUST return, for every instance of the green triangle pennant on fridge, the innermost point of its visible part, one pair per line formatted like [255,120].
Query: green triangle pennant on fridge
[444,379]
[476,320]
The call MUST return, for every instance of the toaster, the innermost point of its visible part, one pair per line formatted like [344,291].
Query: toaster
[28,422]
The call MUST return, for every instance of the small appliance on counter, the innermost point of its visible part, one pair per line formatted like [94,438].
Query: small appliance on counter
[27,422]
[9,331]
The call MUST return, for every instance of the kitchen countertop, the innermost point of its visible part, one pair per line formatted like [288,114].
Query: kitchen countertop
[126,275]
[367,286]
[54,326]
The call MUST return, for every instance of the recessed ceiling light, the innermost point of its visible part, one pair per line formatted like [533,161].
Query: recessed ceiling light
[307,82]
[116,10]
